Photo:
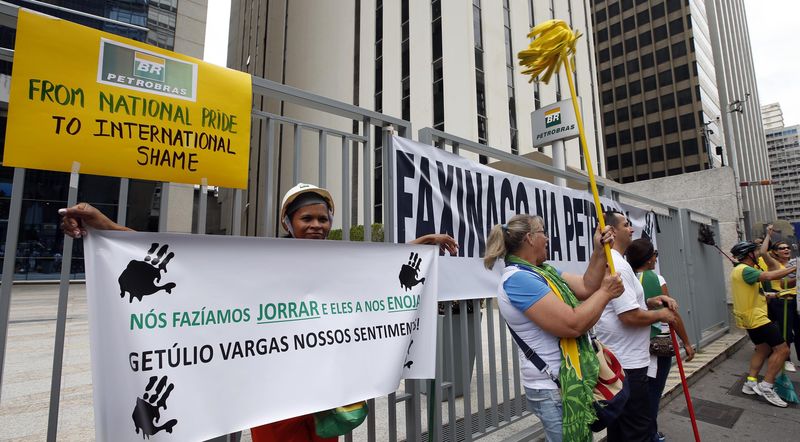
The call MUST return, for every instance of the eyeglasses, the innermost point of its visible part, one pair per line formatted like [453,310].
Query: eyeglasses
[655,253]
[782,248]
[543,232]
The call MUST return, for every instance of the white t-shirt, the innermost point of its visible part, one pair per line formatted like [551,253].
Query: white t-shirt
[544,344]
[631,345]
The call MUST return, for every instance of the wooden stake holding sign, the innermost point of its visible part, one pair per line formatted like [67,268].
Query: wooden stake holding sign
[553,44]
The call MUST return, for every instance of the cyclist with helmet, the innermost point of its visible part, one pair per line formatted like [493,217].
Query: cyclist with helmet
[750,311]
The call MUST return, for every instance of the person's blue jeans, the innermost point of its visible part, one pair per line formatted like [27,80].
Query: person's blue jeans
[657,385]
[546,405]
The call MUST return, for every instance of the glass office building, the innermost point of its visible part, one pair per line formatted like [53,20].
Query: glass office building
[40,240]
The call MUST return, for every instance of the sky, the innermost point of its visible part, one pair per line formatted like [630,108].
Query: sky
[217,23]
[774,36]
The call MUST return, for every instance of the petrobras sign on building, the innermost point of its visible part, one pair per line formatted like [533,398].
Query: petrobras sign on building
[554,122]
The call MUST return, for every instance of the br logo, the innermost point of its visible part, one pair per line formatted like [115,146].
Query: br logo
[149,66]
[552,117]
[409,272]
[140,277]
[148,408]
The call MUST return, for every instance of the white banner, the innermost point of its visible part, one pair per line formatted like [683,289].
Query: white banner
[439,192]
[196,336]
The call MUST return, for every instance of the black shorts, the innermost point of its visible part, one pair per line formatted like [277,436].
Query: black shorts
[767,333]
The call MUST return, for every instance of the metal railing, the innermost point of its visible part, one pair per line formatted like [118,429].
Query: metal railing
[339,140]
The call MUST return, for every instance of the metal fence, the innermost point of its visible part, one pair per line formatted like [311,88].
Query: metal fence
[335,138]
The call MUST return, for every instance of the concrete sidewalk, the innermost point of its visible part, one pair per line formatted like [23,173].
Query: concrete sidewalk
[724,412]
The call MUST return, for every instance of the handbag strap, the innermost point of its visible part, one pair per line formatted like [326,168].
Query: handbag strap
[533,357]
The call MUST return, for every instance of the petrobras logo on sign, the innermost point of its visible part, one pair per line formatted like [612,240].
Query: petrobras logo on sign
[130,67]
[553,123]
[552,117]
[149,66]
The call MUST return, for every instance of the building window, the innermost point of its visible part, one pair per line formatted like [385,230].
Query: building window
[645,38]
[657,11]
[647,60]
[603,55]
[630,44]
[616,50]
[639,134]
[608,96]
[635,87]
[637,110]
[643,17]
[649,84]
[690,146]
[602,35]
[673,151]
[629,24]
[676,26]
[624,137]
[613,9]
[611,140]
[480,86]
[633,66]
[512,106]
[619,70]
[660,33]
[605,76]
[662,55]
[670,125]
[682,73]
[665,78]
[616,29]
[667,101]
[608,117]
[688,122]
[654,130]
[438,74]
[679,49]
[622,114]
[621,92]
[657,154]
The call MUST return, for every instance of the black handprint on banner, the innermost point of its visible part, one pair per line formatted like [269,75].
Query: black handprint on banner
[148,408]
[409,272]
[140,277]
[407,364]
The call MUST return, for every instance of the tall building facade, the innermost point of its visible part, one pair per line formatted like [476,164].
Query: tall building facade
[450,65]
[678,93]
[771,117]
[738,97]
[171,24]
[658,95]
[784,159]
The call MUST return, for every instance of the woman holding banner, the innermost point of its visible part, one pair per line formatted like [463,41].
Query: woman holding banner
[642,256]
[541,305]
[306,213]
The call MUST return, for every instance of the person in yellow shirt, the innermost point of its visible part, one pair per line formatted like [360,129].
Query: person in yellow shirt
[750,311]
[784,303]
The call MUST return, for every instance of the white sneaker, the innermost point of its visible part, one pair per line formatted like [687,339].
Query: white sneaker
[770,395]
[749,387]
[789,366]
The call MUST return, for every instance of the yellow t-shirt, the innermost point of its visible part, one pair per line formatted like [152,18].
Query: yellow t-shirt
[780,285]
[749,307]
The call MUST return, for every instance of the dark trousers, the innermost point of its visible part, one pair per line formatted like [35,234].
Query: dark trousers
[656,386]
[633,425]
[775,312]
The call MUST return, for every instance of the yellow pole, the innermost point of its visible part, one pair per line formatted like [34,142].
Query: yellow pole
[552,43]
[588,157]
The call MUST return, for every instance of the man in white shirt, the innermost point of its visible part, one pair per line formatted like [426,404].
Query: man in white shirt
[624,327]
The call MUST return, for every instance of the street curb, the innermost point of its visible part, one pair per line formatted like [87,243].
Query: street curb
[677,390]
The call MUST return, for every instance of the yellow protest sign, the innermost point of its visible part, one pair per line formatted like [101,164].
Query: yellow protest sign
[123,108]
